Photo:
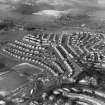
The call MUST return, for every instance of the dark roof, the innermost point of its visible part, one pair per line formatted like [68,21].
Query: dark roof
[2,65]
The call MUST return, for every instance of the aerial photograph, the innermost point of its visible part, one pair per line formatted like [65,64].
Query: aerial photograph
[52,52]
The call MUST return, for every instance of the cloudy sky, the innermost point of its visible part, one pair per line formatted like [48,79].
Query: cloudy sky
[62,2]
[57,7]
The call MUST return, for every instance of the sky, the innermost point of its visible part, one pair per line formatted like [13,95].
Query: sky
[62,2]
[44,7]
